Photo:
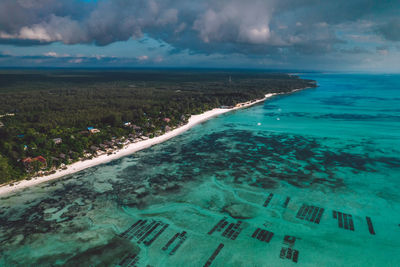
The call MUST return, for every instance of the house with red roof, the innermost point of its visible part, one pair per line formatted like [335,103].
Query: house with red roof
[28,162]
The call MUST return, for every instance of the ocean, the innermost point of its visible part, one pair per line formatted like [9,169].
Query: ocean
[311,178]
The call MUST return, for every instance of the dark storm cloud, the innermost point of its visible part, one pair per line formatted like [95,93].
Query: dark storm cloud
[390,30]
[224,26]
[354,50]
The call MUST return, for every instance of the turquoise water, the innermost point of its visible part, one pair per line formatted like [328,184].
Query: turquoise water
[335,149]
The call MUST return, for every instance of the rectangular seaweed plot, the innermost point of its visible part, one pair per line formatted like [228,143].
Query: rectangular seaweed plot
[285,204]
[181,238]
[345,220]
[166,246]
[233,234]
[370,226]
[148,232]
[310,213]
[232,231]
[290,254]
[156,235]
[219,226]
[144,230]
[228,229]
[215,253]
[268,200]
[262,235]
[289,240]
[127,232]
[129,260]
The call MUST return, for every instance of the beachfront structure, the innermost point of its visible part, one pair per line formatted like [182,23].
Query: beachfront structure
[28,162]
[7,115]
[93,130]
[57,141]
[135,127]
[94,148]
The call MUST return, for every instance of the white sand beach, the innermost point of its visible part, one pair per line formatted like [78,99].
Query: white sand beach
[127,150]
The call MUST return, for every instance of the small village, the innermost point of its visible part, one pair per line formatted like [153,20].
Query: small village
[42,165]
[39,166]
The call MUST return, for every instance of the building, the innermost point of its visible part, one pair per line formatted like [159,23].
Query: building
[94,148]
[127,124]
[1,124]
[93,130]
[41,160]
[167,120]
[29,161]
[135,127]
[7,115]
[57,141]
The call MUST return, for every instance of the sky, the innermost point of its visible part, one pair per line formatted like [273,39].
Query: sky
[328,35]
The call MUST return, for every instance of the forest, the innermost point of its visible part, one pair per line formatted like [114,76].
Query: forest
[53,117]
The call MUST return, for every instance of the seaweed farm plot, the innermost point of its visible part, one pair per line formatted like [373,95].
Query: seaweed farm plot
[370,226]
[176,241]
[345,221]
[215,253]
[145,230]
[310,213]
[231,231]
[288,252]
[286,203]
[129,261]
[268,200]
[262,235]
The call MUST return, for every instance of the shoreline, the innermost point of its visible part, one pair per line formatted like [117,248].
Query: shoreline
[129,149]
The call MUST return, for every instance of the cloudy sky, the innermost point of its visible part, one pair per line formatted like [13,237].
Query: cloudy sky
[348,35]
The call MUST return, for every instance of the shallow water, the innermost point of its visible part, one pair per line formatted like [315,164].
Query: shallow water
[335,147]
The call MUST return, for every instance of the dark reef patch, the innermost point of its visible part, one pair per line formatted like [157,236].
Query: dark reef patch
[104,255]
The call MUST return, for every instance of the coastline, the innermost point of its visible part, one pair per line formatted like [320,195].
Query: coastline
[129,149]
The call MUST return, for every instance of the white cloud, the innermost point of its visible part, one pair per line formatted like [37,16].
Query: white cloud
[54,54]
[143,58]
[256,35]
[76,60]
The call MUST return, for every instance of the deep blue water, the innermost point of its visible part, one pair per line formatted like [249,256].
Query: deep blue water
[309,168]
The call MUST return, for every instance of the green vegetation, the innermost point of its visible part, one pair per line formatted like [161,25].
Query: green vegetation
[39,106]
